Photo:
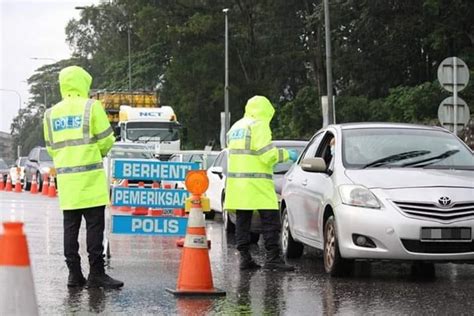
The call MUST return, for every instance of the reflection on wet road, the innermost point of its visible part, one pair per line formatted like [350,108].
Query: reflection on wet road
[149,265]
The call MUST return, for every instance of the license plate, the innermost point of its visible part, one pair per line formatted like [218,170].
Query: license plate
[445,233]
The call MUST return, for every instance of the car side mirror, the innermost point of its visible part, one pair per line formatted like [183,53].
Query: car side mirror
[217,170]
[313,165]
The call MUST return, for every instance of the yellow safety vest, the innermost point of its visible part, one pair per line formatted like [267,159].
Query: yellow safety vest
[251,159]
[78,135]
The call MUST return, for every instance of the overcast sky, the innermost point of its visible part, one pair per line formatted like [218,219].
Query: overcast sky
[30,28]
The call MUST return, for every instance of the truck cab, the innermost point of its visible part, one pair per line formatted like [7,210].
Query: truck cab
[155,126]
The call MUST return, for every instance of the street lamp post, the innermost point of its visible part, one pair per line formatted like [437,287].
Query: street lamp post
[226,85]
[17,93]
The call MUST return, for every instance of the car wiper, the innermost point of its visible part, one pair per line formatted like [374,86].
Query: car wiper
[431,160]
[397,157]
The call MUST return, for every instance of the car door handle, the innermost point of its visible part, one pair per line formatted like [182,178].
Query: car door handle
[290,179]
[304,182]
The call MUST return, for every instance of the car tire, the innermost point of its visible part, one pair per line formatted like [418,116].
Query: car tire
[39,180]
[26,184]
[229,226]
[290,248]
[334,264]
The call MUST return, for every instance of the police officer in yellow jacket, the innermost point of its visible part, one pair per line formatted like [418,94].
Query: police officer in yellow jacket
[250,184]
[78,135]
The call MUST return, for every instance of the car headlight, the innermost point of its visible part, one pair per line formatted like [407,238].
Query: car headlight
[358,195]
[45,169]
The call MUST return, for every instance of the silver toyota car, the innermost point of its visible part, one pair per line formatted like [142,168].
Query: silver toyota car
[380,191]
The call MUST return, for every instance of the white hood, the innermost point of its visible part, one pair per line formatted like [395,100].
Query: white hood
[411,178]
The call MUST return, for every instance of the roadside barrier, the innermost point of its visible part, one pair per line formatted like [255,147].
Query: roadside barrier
[2,184]
[34,185]
[17,293]
[140,210]
[8,187]
[45,187]
[195,275]
[52,188]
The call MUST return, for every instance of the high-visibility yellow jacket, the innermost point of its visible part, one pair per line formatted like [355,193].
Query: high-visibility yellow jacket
[251,159]
[78,135]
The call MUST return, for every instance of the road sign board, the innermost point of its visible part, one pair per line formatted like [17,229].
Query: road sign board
[141,225]
[446,114]
[446,73]
[144,169]
[156,198]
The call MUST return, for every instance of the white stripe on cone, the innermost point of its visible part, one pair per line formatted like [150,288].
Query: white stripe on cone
[17,293]
[196,218]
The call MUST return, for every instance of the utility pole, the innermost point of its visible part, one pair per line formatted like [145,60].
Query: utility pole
[331,117]
[226,85]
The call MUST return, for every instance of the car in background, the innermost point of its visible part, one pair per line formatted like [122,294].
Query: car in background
[204,161]
[389,192]
[4,170]
[124,150]
[19,163]
[39,164]
[217,177]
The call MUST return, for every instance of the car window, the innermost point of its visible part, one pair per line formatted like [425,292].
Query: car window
[33,154]
[44,156]
[224,163]
[217,162]
[324,149]
[23,161]
[283,167]
[310,150]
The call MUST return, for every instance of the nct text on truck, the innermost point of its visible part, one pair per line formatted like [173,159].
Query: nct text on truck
[137,117]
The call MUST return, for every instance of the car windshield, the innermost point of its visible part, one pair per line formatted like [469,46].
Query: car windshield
[152,131]
[398,147]
[283,167]
[23,161]
[44,156]
[131,151]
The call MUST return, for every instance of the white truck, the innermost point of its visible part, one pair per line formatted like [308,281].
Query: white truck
[154,126]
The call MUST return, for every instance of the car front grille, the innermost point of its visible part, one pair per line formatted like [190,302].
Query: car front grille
[456,211]
[437,247]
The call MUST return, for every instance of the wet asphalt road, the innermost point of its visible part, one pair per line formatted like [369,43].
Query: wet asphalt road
[149,265]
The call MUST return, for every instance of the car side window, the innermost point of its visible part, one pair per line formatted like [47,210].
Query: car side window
[218,160]
[324,149]
[224,163]
[310,150]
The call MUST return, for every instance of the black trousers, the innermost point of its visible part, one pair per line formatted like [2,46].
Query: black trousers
[95,223]
[271,227]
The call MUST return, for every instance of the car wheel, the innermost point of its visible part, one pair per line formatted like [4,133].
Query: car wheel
[334,264]
[26,184]
[39,180]
[289,247]
[228,225]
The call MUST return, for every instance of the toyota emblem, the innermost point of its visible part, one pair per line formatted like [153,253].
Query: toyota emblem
[444,201]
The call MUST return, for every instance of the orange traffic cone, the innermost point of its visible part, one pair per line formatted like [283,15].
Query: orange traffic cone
[2,184]
[52,188]
[8,187]
[45,187]
[195,276]
[140,210]
[18,188]
[34,185]
[17,293]
[125,208]
[156,211]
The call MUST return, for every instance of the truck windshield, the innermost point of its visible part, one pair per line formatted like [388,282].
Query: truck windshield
[152,132]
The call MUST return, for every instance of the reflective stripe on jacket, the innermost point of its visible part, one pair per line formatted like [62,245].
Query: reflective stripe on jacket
[77,135]
[251,159]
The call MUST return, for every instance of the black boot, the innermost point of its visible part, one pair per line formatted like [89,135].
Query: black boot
[247,262]
[102,280]
[76,278]
[275,262]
